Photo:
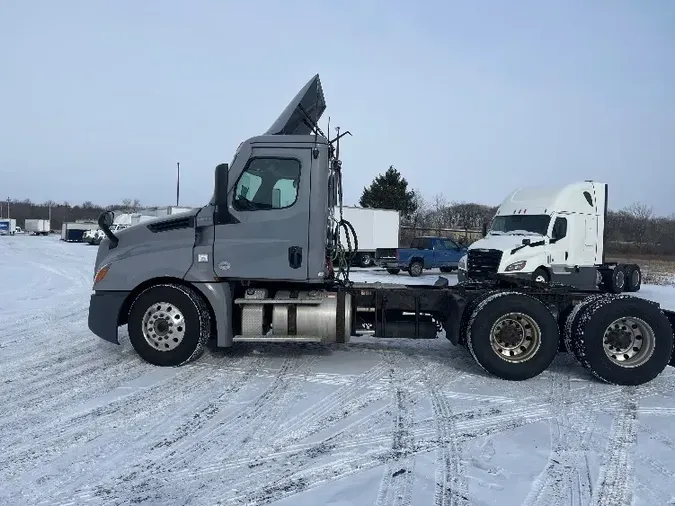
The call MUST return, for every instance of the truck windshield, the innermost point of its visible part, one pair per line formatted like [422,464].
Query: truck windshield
[521,224]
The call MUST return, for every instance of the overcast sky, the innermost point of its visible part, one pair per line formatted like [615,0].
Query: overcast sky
[100,99]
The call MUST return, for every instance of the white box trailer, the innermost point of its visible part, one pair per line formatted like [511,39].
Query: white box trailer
[375,228]
[74,232]
[7,226]
[37,226]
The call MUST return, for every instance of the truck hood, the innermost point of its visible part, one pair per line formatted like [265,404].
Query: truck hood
[160,232]
[309,101]
[503,242]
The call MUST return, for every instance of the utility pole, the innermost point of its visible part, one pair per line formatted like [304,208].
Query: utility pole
[177,183]
[7,207]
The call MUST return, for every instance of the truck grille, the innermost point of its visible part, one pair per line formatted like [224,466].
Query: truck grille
[482,262]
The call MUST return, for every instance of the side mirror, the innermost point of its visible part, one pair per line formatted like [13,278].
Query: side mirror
[220,190]
[484,230]
[106,219]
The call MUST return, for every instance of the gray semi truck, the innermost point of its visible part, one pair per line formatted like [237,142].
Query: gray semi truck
[266,261]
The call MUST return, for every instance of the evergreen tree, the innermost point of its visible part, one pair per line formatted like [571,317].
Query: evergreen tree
[390,191]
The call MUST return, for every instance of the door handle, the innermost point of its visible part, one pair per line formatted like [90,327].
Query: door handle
[566,255]
[295,257]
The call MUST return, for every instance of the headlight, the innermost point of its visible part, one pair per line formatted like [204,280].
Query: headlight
[516,266]
[462,263]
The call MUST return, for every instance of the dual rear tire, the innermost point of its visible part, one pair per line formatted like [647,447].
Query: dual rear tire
[620,339]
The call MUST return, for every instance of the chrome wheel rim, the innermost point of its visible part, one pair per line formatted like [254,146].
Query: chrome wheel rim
[629,342]
[163,326]
[515,337]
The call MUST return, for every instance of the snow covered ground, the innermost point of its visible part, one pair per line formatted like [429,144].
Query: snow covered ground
[83,421]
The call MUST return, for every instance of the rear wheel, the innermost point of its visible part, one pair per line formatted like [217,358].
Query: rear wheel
[614,280]
[169,325]
[621,339]
[366,260]
[513,336]
[416,269]
[633,278]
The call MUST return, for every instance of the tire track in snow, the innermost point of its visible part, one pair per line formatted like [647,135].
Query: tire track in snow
[615,483]
[184,411]
[571,431]
[399,472]
[359,459]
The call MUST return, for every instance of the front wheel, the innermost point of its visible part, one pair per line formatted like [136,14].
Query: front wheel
[169,325]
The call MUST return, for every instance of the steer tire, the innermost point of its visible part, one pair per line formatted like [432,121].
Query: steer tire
[645,351]
[533,326]
[182,342]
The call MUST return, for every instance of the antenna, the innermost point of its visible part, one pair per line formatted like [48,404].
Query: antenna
[177,183]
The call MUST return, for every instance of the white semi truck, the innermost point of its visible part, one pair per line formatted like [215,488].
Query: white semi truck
[551,235]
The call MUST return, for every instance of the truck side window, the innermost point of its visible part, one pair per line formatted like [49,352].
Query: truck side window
[427,243]
[267,183]
[559,228]
[449,244]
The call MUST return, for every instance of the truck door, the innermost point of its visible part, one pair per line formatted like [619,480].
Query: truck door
[268,237]
[559,252]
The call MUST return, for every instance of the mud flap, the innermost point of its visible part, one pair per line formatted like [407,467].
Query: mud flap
[671,318]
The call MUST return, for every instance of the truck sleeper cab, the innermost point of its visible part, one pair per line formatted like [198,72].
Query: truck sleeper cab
[551,235]
[260,263]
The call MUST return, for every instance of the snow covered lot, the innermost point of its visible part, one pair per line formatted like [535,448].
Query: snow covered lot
[83,421]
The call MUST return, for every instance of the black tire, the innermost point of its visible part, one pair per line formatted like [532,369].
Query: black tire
[542,343]
[588,339]
[416,268]
[365,260]
[633,278]
[614,280]
[541,272]
[466,316]
[571,318]
[393,271]
[196,319]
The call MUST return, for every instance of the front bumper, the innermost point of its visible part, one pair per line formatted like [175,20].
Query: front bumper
[104,311]
[463,276]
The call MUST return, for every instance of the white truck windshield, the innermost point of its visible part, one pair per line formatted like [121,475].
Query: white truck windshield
[521,224]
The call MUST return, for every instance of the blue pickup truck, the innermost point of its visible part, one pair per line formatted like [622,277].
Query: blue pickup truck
[424,253]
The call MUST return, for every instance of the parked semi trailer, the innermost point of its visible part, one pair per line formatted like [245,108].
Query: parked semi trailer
[256,266]
[37,227]
[552,235]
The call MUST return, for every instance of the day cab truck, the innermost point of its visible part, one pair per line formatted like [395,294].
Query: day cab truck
[253,265]
[551,235]
[426,252]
